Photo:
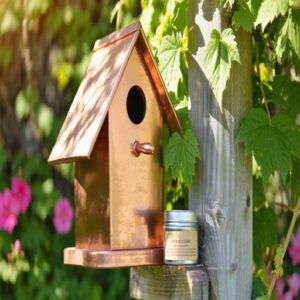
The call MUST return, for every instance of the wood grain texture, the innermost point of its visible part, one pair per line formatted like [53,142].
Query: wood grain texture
[169,282]
[222,189]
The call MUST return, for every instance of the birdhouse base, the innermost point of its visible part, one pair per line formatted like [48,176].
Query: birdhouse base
[113,258]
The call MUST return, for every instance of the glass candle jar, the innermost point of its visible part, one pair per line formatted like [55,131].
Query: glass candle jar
[180,237]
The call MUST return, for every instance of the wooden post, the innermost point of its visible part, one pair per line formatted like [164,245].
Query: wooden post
[222,189]
[169,282]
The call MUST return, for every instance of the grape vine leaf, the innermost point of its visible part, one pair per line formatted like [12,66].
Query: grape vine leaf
[220,52]
[293,30]
[180,156]
[178,13]
[281,43]
[273,145]
[264,233]
[289,31]
[286,93]
[169,58]
[150,17]
[295,62]
[258,192]
[259,289]
[269,10]
[245,14]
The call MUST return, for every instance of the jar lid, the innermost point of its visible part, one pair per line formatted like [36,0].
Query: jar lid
[180,216]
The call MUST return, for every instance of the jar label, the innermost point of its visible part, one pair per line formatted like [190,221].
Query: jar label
[181,245]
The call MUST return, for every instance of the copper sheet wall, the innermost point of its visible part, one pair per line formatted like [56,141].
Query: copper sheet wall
[136,182]
[92,207]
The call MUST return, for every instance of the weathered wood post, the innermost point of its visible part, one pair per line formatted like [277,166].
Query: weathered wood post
[222,189]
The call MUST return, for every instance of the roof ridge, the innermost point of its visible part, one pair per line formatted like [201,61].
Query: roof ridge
[116,36]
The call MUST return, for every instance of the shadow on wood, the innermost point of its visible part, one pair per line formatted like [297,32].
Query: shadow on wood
[169,282]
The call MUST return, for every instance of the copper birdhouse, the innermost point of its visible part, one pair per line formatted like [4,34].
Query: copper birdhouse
[113,134]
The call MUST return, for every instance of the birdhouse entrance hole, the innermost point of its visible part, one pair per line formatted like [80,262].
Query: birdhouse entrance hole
[136,104]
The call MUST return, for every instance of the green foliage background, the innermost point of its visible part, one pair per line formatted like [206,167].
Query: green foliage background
[45,47]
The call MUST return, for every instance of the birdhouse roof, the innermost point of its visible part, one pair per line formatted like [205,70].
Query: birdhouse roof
[87,113]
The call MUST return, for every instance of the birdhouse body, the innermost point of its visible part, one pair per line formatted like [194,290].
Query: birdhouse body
[113,134]
[117,183]
[136,182]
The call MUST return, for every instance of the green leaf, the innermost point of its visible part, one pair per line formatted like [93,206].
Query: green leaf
[41,234]
[169,57]
[273,145]
[62,71]
[144,3]
[185,38]
[264,233]
[150,17]
[219,54]
[293,30]
[259,288]
[245,15]
[286,94]
[9,22]
[25,99]
[278,259]
[258,192]
[36,8]
[114,11]
[130,5]
[146,18]
[22,105]
[178,13]
[281,43]
[45,119]
[289,31]
[269,10]
[295,63]
[8,273]
[181,154]
[263,297]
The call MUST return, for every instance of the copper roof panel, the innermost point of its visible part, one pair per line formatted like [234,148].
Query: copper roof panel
[91,103]
[92,100]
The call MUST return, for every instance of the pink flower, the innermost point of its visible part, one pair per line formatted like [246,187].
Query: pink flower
[294,284]
[279,289]
[63,216]
[288,295]
[17,247]
[9,211]
[294,249]
[280,295]
[21,192]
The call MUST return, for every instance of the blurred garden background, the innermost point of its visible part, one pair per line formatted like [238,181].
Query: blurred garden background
[45,46]
[44,49]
